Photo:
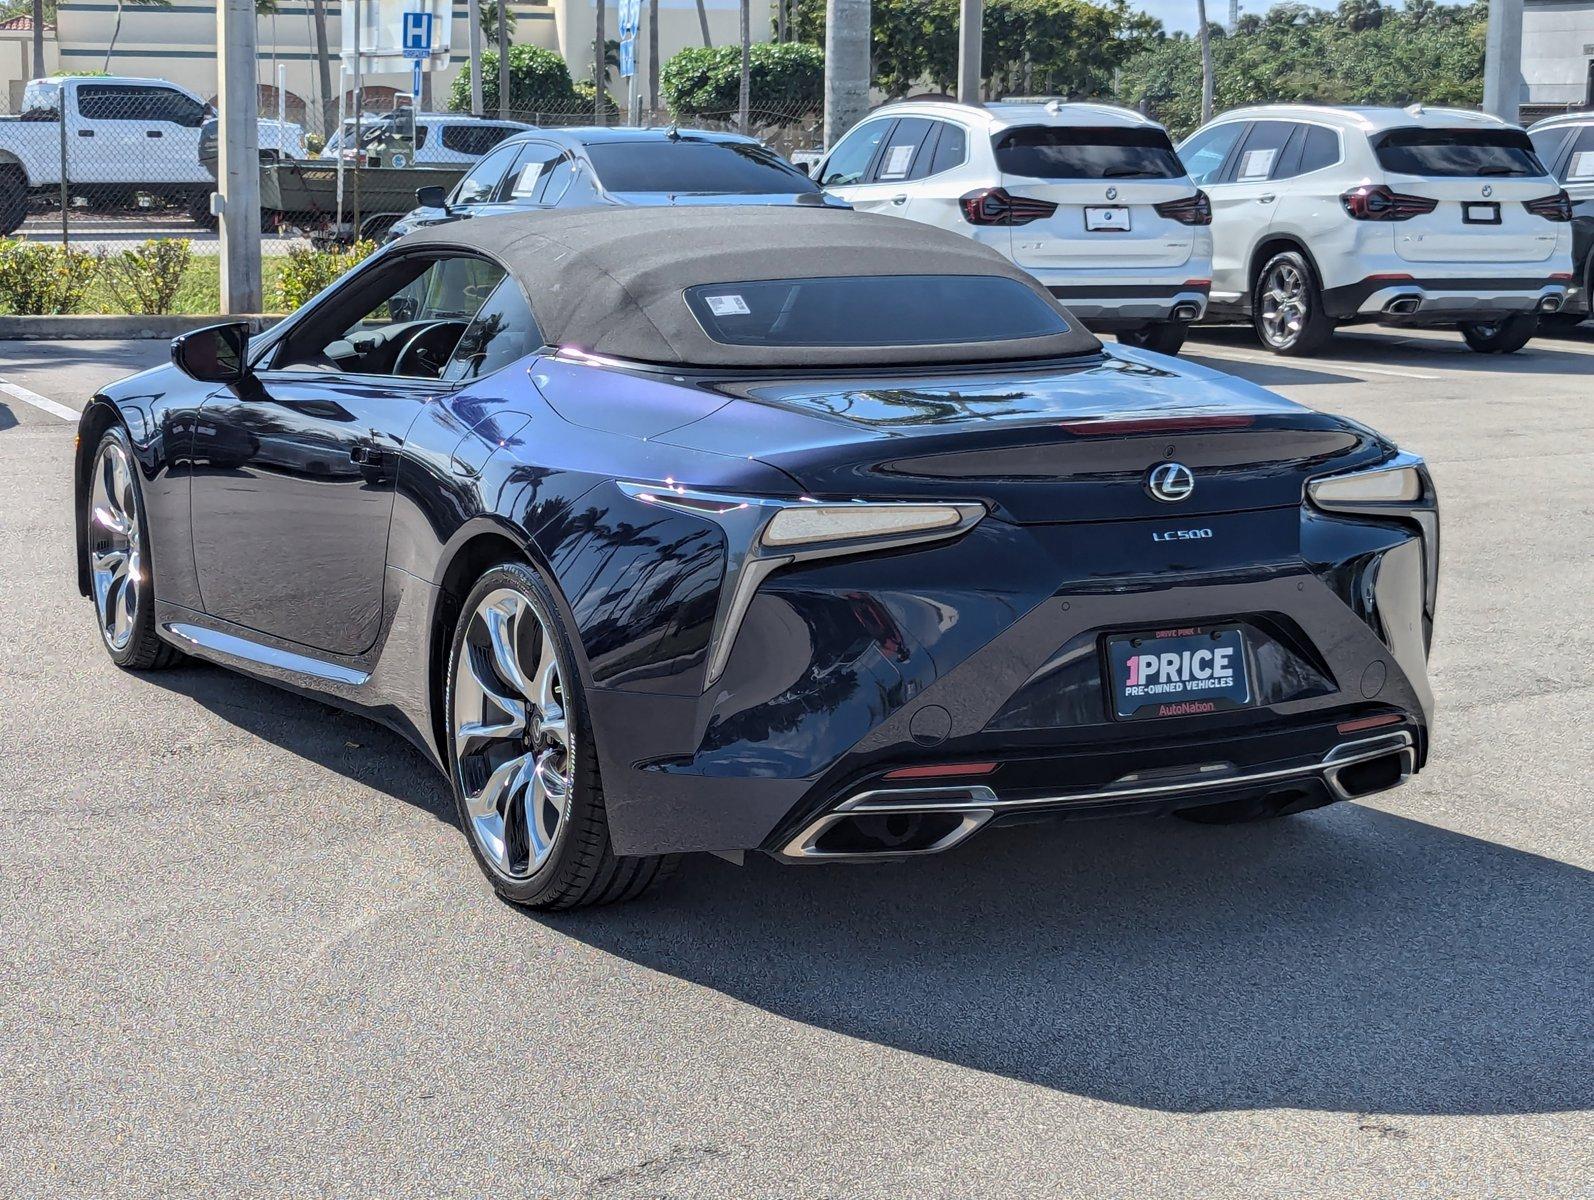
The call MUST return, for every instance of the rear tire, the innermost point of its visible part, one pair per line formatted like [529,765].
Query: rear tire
[521,754]
[1505,336]
[1562,322]
[1163,337]
[199,210]
[116,537]
[1287,306]
[13,200]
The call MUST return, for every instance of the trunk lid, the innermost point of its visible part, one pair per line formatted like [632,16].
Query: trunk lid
[1105,182]
[1065,444]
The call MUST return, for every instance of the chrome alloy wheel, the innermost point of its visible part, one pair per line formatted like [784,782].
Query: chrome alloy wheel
[115,549]
[1283,303]
[514,750]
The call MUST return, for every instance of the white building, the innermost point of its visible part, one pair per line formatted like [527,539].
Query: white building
[178,43]
[1557,56]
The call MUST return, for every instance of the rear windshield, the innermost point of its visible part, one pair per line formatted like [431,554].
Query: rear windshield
[702,168]
[1457,152]
[875,310]
[1046,152]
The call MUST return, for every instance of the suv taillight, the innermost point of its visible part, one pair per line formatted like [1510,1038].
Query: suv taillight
[1191,210]
[1552,208]
[993,206]
[1375,202]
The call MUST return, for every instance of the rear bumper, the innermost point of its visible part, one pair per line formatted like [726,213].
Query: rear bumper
[990,651]
[1441,300]
[1120,304]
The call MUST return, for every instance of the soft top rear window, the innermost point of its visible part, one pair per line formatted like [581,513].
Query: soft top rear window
[1049,152]
[703,168]
[873,310]
[1417,151]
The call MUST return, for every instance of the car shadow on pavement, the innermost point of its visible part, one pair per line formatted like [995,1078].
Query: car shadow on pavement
[1345,960]
[1264,374]
[1373,346]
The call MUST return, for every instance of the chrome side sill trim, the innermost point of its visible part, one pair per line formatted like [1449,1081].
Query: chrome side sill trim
[242,650]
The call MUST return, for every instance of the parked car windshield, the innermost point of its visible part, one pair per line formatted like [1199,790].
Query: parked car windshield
[876,310]
[1050,152]
[705,168]
[1458,152]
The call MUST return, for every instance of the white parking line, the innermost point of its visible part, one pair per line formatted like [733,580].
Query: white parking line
[43,403]
[1308,363]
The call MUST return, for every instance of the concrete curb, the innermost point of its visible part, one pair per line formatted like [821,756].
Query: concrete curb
[93,327]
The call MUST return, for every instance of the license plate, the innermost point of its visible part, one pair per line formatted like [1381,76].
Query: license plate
[1107,220]
[1177,673]
[1481,214]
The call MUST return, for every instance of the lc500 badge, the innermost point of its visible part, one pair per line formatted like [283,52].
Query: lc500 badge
[1180,535]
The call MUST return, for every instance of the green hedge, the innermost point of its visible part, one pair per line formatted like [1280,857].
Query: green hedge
[538,80]
[786,79]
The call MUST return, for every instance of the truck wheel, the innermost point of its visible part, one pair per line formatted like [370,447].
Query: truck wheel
[199,210]
[13,200]
[1505,336]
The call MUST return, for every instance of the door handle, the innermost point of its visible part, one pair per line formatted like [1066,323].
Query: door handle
[85,133]
[903,199]
[1267,199]
[153,133]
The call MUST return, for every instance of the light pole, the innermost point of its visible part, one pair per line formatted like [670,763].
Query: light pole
[971,21]
[846,66]
[239,168]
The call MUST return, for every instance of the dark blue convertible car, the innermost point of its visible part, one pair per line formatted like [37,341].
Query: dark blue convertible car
[795,531]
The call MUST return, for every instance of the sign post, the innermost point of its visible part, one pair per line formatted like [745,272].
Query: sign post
[630,24]
[416,41]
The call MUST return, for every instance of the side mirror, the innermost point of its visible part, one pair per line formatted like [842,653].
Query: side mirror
[431,196]
[214,354]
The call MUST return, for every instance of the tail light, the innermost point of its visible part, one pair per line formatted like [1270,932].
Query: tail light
[1375,202]
[993,206]
[1552,208]
[1191,210]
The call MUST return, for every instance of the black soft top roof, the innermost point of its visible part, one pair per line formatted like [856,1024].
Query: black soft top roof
[611,281]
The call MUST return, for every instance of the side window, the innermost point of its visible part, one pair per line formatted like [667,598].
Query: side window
[895,165]
[421,134]
[1261,151]
[173,106]
[1319,149]
[952,150]
[404,316]
[1205,153]
[481,181]
[503,331]
[120,102]
[853,154]
[558,184]
[474,139]
[529,174]
[1580,163]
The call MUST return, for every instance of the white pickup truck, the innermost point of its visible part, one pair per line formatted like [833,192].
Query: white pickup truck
[124,137]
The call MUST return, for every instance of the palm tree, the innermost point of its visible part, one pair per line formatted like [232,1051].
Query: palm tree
[323,60]
[1204,32]
[489,16]
[116,29]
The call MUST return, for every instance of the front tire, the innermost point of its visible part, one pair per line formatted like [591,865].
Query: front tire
[1162,337]
[116,535]
[13,200]
[522,756]
[1505,336]
[1287,306]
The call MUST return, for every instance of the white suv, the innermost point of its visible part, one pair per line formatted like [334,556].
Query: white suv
[1088,198]
[1406,216]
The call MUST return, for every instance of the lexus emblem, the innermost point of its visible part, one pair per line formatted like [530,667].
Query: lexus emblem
[1488,189]
[1112,193]
[1170,482]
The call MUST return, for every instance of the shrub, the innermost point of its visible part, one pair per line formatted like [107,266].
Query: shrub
[787,78]
[538,79]
[306,272]
[314,143]
[147,278]
[38,279]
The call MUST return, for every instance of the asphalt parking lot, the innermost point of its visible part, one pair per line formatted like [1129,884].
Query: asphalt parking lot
[246,952]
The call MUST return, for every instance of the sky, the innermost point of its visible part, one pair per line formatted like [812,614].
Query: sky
[1181,14]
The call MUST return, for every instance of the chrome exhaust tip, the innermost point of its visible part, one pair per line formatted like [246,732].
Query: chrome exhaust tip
[1186,312]
[1403,306]
[1550,304]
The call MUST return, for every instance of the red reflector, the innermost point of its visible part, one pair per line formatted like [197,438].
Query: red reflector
[942,771]
[1106,427]
[1561,277]
[1395,275]
[1198,283]
[1377,722]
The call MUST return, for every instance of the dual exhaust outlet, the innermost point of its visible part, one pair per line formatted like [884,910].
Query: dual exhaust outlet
[891,823]
[1406,305]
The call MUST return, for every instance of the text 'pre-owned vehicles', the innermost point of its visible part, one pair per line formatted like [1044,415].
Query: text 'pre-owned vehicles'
[585,166]
[1406,216]
[1565,145]
[123,137]
[1088,198]
[791,530]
